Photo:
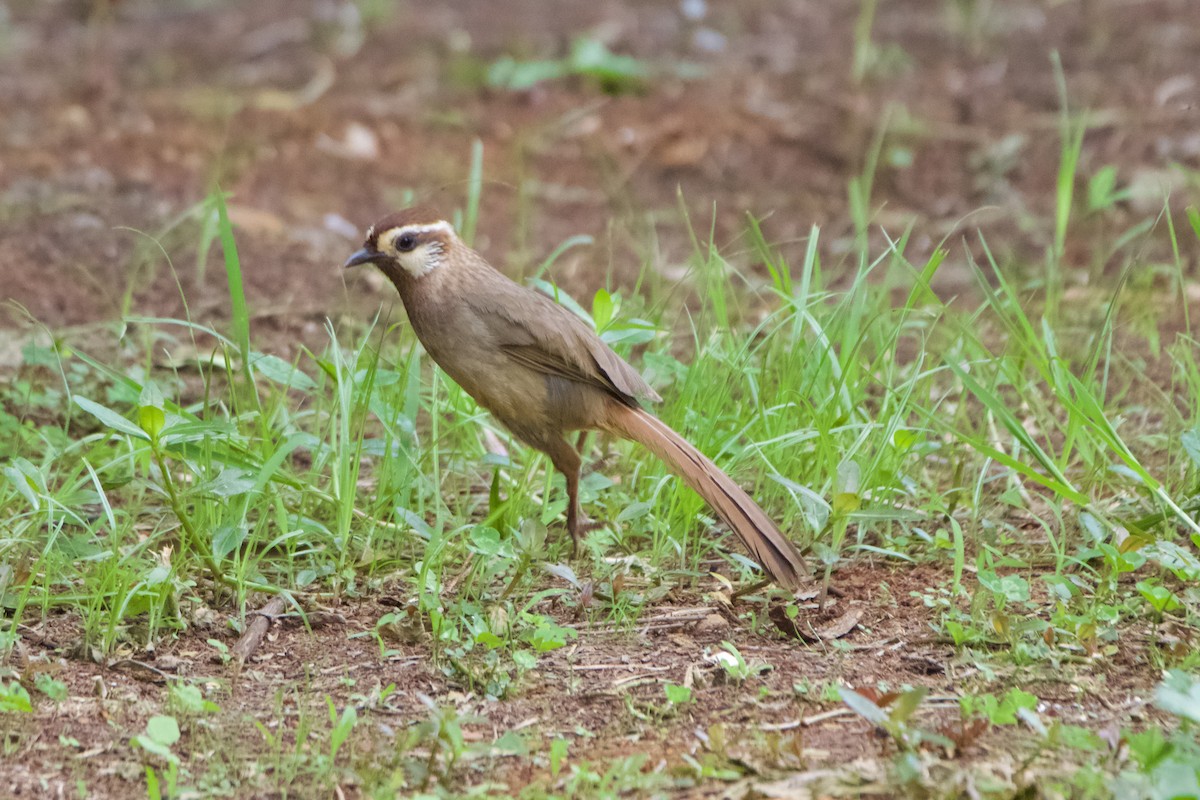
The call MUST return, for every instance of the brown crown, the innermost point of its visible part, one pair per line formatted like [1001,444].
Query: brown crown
[416,215]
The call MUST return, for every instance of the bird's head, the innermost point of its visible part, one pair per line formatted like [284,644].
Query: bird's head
[417,241]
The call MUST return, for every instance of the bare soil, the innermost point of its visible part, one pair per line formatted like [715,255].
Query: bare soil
[117,117]
[602,692]
[155,102]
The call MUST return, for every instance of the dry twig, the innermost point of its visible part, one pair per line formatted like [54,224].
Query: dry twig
[253,636]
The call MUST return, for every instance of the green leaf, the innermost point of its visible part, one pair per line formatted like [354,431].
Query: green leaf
[54,689]
[231,482]
[161,733]
[903,439]
[233,274]
[632,511]
[1182,562]
[1159,597]
[1100,190]
[1019,698]
[1148,748]
[1179,694]
[602,309]
[151,419]
[590,56]
[1033,721]
[341,730]
[157,748]
[849,478]
[564,573]
[151,395]
[995,712]
[863,707]
[678,695]
[558,754]
[1077,738]
[508,73]
[1004,712]
[188,698]
[1013,588]
[276,369]
[153,790]
[13,697]
[163,729]
[227,538]
[550,636]
[158,575]
[620,334]
[488,640]
[959,633]
[846,503]
[1191,445]
[510,744]
[485,541]
[110,418]
[21,474]
[906,704]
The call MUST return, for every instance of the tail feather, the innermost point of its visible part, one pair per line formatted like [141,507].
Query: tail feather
[767,545]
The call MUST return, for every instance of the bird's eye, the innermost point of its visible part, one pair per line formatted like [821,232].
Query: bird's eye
[405,242]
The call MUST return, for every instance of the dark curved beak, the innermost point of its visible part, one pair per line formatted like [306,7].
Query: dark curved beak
[363,256]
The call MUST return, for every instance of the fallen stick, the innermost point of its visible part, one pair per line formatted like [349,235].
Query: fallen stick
[256,630]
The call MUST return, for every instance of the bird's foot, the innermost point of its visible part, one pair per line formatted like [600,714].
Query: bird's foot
[580,528]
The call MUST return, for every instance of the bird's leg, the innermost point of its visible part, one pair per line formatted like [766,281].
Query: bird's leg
[568,462]
[574,512]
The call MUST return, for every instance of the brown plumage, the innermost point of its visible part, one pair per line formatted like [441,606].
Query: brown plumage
[543,372]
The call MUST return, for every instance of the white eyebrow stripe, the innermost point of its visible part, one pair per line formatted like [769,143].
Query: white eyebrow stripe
[441,226]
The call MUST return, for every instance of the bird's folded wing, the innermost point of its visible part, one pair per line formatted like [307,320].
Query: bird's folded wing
[537,333]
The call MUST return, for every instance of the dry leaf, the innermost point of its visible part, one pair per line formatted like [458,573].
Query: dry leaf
[798,628]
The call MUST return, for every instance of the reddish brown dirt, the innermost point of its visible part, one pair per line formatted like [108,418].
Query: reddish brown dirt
[590,692]
[155,103]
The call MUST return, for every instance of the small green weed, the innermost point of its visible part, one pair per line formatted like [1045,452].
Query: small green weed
[590,59]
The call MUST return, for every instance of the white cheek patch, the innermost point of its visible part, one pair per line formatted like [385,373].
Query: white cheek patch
[427,257]
[423,260]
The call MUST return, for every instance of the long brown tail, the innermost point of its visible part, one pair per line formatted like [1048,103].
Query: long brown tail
[767,545]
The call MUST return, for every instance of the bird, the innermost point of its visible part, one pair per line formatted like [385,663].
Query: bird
[543,372]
